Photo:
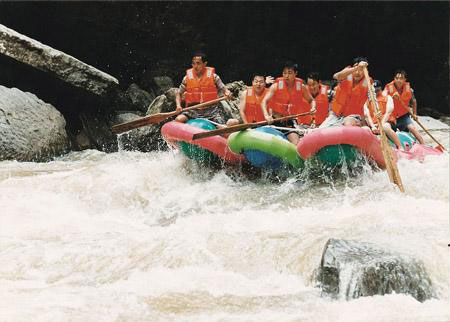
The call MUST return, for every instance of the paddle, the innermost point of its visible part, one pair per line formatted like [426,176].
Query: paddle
[391,166]
[417,121]
[241,127]
[156,118]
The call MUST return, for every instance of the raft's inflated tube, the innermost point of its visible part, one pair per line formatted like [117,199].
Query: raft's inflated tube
[320,141]
[265,147]
[179,135]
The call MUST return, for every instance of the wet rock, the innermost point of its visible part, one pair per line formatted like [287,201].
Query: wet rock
[97,128]
[30,129]
[55,62]
[162,104]
[162,84]
[145,139]
[445,119]
[351,269]
[231,107]
[140,99]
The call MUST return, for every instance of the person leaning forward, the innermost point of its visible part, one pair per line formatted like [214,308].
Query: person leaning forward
[350,96]
[286,96]
[201,84]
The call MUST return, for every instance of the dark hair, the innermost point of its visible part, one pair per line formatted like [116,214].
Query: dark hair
[314,76]
[290,65]
[400,71]
[258,75]
[377,84]
[200,54]
[357,60]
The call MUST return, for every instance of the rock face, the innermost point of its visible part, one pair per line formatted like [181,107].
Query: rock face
[351,269]
[139,98]
[30,129]
[55,62]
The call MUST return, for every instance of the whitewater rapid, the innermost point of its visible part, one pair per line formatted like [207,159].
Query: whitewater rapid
[132,236]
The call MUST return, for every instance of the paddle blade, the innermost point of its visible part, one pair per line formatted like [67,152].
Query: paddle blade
[147,120]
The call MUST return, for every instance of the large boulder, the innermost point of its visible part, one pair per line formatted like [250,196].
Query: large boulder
[351,269]
[55,62]
[30,129]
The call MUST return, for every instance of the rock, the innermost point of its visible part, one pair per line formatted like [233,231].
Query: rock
[144,139]
[351,269]
[55,62]
[445,119]
[231,107]
[82,141]
[162,84]
[236,87]
[30,129]
[162,104]
[97,128]
[139,98]
[171,94]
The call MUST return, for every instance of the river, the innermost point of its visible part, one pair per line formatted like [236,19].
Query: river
[132,236]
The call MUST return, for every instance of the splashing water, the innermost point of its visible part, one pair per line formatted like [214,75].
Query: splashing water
[146,237]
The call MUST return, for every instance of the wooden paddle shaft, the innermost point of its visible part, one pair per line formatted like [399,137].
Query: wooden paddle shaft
[157,118]
[241,127]
[391,166]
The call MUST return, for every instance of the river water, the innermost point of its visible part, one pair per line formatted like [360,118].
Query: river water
[134,236]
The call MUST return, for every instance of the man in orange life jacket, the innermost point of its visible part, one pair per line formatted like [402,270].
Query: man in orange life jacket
[400,90]
[320,94]
[250,100]
[286,96]
[386,107]
[201,84]
[351,93]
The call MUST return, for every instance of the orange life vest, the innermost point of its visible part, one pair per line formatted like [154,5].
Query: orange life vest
[382,104]
[199,90]
[350,99]
[287,103]
[253,109]
[405,96]
[321,107]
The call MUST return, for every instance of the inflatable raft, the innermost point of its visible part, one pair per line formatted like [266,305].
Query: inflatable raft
[336,144]
[268,148]
[210,150]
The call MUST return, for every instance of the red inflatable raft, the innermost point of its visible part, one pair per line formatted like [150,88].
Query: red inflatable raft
[362,139]
[176,132]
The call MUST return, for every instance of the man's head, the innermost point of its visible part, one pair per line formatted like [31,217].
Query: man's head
[378,86]
[313,82]
[259,82]
[290,71]
[358,74]
[399,78]
[199,61]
